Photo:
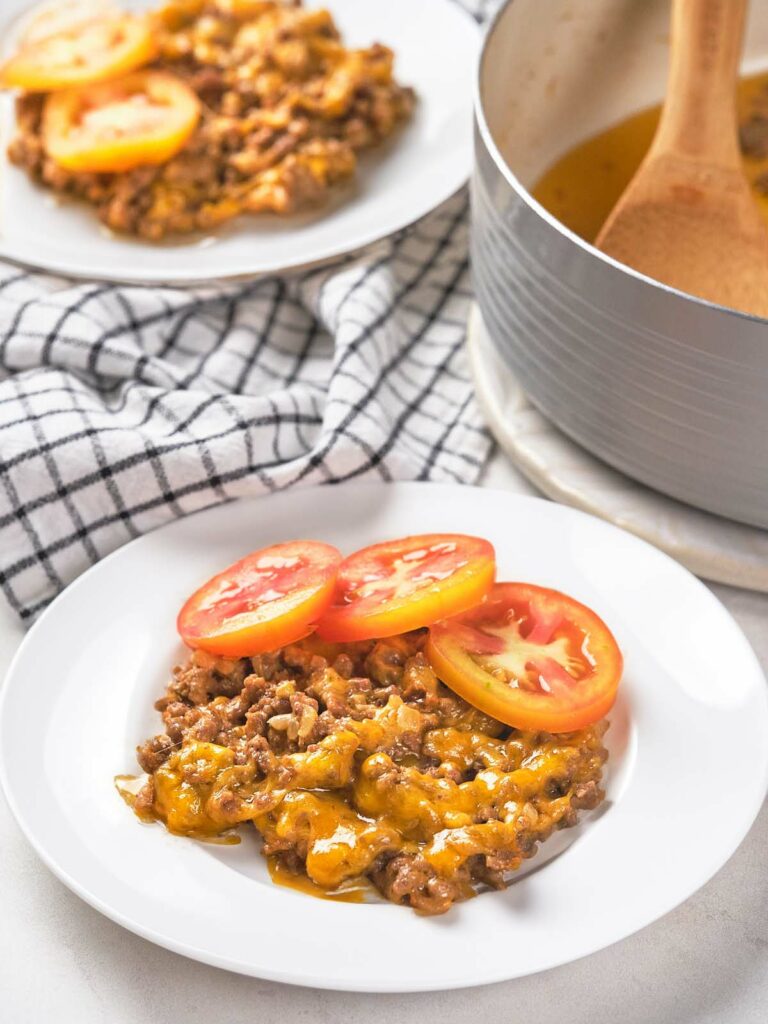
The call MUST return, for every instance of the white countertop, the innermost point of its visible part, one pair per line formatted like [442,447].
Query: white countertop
[705,962]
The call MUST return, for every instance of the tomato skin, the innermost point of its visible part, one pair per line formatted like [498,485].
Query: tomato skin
[173,106]
[54,17]
[463,649]
[387,588]
[94,50]
[268,599]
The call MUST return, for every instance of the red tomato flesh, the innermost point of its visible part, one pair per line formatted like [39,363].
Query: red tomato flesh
[531,657]
[405,584]
[268,599]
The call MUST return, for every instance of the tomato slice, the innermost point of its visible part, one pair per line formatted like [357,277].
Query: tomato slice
[144,118]
[404,584]
[89,51]
[53,18]
[530,657]
[270,598]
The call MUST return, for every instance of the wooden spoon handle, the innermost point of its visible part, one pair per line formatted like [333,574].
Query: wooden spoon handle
[699,115]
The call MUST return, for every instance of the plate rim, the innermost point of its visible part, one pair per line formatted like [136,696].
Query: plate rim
[26,824]
[236,277]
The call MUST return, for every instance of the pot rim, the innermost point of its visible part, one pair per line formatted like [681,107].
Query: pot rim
[535,206]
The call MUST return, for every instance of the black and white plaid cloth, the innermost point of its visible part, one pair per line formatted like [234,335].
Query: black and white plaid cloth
[122,408]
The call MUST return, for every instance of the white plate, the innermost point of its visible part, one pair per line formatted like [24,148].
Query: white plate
[436,45]
[687,774]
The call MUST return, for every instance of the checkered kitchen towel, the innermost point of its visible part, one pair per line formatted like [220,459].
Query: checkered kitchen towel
[122,408]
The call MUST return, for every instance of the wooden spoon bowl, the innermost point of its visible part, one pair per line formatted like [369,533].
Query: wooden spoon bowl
[688,217]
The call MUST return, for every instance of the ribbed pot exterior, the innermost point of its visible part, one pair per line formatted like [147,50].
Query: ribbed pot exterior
[670,390]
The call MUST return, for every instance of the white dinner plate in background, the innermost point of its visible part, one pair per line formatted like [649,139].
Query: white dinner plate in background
[687,773]
[436,45]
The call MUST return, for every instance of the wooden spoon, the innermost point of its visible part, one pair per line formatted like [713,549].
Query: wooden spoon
[688,217]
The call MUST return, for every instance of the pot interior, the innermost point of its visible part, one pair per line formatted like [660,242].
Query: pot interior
[555,73]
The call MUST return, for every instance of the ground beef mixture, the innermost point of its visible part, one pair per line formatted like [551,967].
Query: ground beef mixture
[353,761]
[286,108]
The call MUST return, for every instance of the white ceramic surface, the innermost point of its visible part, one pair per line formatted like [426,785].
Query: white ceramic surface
[713,547]
[397,183]
[687,743]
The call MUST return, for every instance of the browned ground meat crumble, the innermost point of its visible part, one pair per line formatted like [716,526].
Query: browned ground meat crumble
[434,797]
[285,109]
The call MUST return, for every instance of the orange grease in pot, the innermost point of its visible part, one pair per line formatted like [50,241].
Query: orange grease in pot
[582,186]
